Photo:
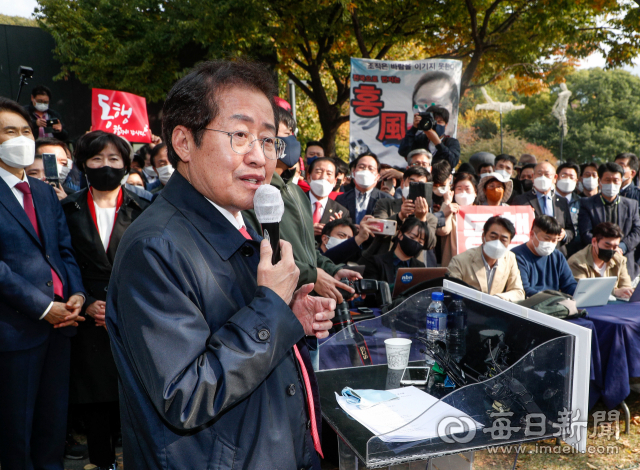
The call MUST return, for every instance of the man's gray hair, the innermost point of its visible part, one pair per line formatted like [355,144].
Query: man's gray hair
[419,152]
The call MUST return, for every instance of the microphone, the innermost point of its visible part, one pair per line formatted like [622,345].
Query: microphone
[269,207]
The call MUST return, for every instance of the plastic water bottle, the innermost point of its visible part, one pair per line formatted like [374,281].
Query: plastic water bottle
[457,328]
[436,323]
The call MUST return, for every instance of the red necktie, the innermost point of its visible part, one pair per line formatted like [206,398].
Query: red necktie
[305,377]
[317,215]
[30,209]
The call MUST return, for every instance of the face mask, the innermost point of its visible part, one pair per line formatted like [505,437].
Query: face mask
[542,183]
[365,178]
[544,248]
[439,130]
[494,249]
[605,255]
[42,107]
[18,152]
[105,178]
[405,192]
[333,242]
[580,187]
[164,173]
[527,185]
[465,199]
[610,190]
[410,247]
[505,174]
[590,183]
[291,151]
[321,188]
[63,170]
[150,171]
[494,195]
[441,190]
[566,185]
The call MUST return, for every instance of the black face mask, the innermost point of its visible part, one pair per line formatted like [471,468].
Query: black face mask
[527,185]
[410,247]
[105,178]
[605,255]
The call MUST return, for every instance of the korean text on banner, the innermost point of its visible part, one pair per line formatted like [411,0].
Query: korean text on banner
[383,96]
[470,222]
[120,113]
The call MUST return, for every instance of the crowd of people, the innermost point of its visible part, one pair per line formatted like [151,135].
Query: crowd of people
[61,246]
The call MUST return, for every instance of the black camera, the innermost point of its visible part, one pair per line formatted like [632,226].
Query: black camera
[342,318]
[427,122]
[27,72]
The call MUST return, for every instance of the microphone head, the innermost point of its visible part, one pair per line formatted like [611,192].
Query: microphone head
[268,204]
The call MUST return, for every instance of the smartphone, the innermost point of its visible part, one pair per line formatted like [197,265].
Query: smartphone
[385,227]
[388,184]
[50,164]
[51,122]
[415,376]
[417,190]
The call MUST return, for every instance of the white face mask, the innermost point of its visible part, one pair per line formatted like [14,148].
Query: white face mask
[405,192]
[164,173]
[365,178]
[544,248]
[494,249]
[295,180]
[321,188]
[465,199]
[610,190]
[18,152]
[590,183]
[63,170]
[566,185]
[42,107]
[542,183]
[441,190]
[150,171]
[333,242]
[506,175]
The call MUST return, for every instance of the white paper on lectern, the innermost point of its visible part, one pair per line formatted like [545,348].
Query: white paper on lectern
[395,421]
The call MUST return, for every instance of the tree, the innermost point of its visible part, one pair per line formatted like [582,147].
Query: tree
[17,21]
[143,46]
[603,116]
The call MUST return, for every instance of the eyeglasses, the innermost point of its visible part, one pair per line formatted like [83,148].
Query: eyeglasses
[242,143]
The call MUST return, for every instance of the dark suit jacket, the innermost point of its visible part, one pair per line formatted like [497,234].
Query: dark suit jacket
[62,135]
[94,378]
[592,213]
[26,287]
[348,200]
[381,267]
[330,209]
[561,212]
[208,377]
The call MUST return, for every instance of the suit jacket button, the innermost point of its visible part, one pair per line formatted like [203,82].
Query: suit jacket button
[47,256]
[264,335]
[246,251]
[291,390]
[49,284]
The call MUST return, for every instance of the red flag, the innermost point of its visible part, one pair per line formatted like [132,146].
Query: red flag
[120,113]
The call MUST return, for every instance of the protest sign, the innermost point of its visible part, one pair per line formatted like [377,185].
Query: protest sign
[383,96]
[120,113]
[470,222]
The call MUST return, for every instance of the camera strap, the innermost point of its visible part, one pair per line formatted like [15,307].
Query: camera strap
[361,346]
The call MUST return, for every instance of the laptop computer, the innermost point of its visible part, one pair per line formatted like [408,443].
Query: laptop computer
[409,277]
[594,291]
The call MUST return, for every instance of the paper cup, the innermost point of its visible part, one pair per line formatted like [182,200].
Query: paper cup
[398,350]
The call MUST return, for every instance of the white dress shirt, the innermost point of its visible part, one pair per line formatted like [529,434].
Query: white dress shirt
[11,181]
[236,221]
[105,217]
[322,201]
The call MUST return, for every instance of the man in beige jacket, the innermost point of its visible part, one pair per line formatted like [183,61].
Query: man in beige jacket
[491,267]
[603,259]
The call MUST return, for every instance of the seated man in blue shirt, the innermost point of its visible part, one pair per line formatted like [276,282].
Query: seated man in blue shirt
[542,266]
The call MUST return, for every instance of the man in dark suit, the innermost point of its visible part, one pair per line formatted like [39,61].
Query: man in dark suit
[321,176]
[208,336]
[41,295]
[609,206]
[545,202]
[361,200]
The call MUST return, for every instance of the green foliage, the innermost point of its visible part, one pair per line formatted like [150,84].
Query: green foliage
[17,21]
[603,116]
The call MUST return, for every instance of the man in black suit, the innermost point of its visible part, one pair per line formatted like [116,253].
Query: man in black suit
[41,295]
[361,200]
[609,206]
[545,202]
[321,176]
